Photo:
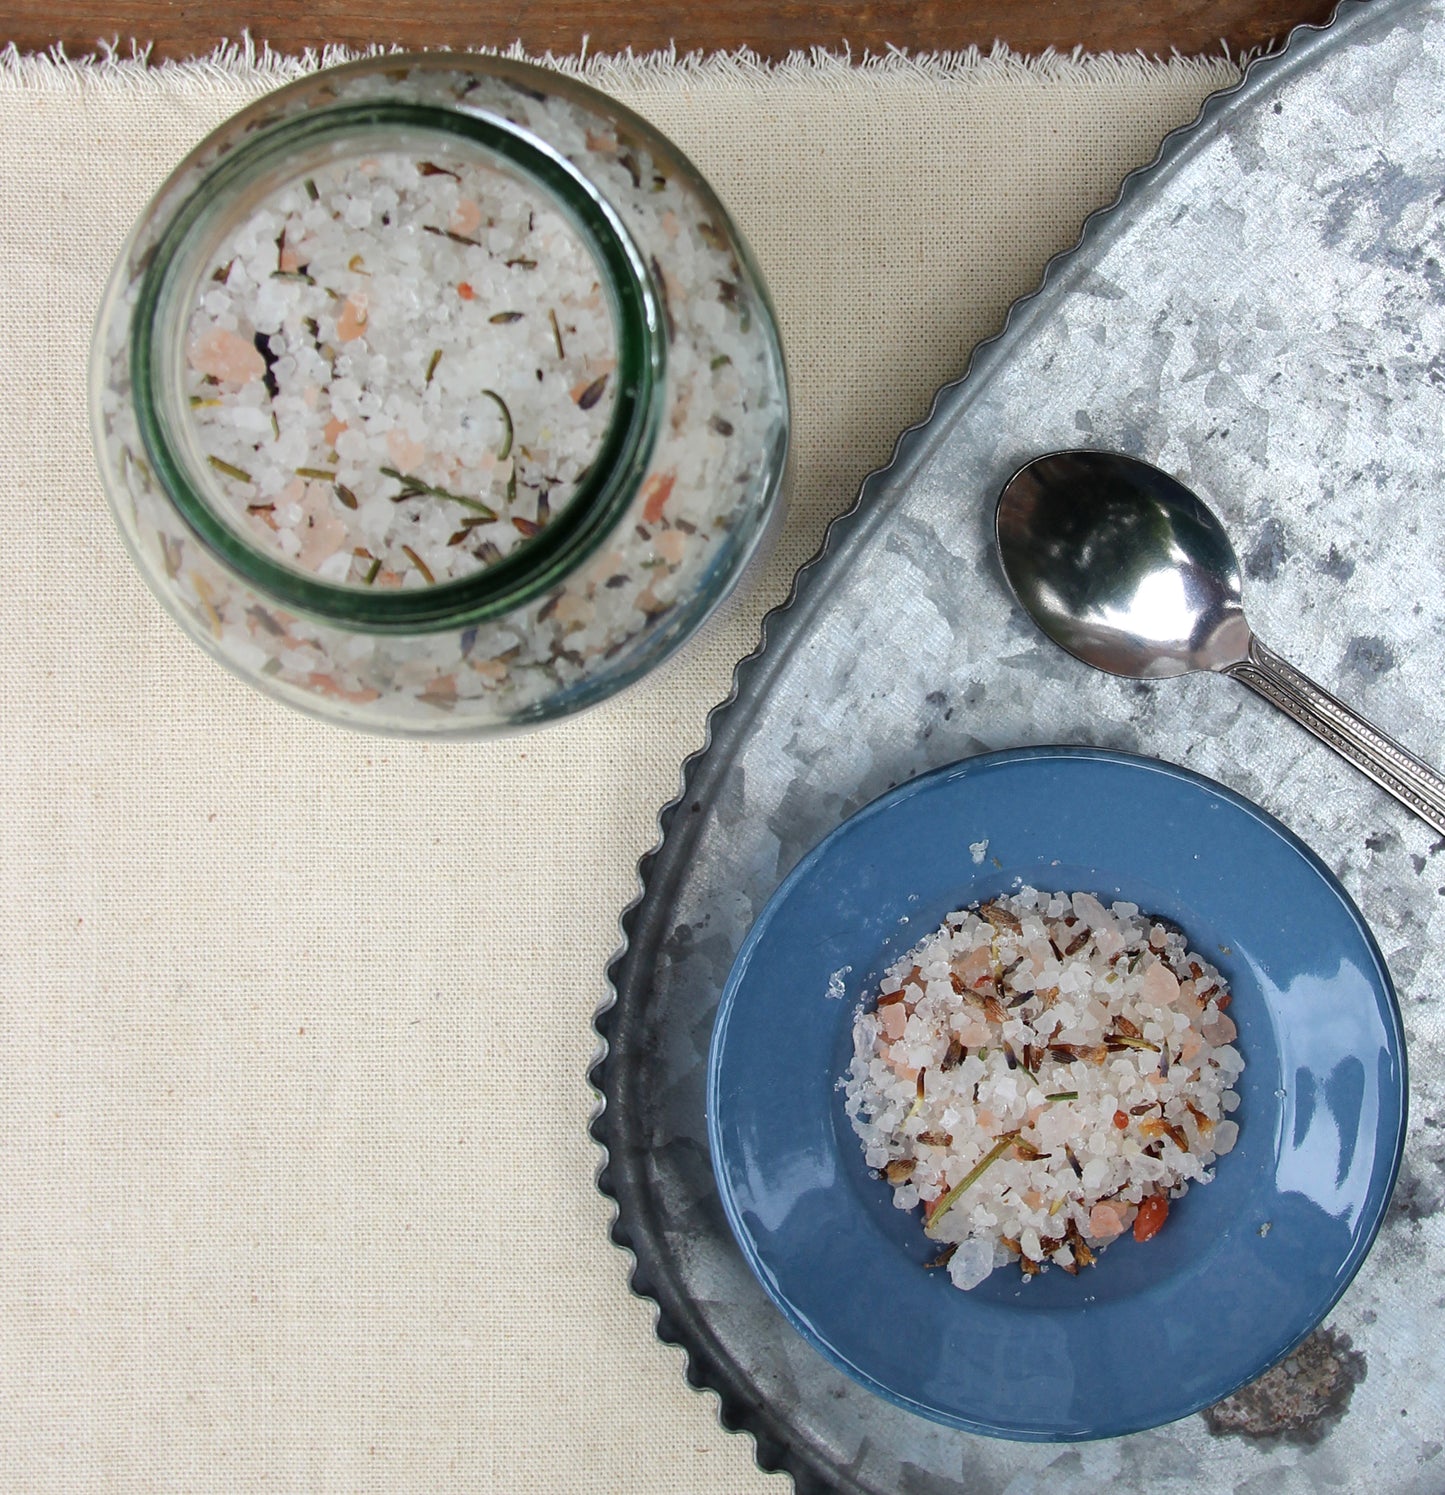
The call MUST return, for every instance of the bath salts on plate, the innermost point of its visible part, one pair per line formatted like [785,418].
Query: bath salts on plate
[1042,1074]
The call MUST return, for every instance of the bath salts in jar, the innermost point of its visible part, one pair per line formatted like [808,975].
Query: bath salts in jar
[439,395]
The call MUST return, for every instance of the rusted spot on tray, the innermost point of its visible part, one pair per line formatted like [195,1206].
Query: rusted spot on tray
[1420,1191]
[1301,1399]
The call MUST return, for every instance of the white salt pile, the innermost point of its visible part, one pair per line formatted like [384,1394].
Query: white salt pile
[1041,1075]
[399,367]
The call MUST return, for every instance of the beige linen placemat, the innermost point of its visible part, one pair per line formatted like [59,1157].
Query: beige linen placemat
[295,1186]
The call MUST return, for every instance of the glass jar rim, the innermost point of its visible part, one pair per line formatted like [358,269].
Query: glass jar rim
[601,497]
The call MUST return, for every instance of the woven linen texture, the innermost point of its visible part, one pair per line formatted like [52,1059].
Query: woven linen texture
[295,1185]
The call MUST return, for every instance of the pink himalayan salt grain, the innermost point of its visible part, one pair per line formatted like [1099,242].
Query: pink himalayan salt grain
[574,609]
[1105,1222]
[1221,1029]
[976,966]
[1109,940]
[405,452]
[1160,986]
[219,353]
[351,324]
[671,545]
[466,217]
[324,534]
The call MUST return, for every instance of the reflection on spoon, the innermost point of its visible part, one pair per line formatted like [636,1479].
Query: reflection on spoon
[1130,572]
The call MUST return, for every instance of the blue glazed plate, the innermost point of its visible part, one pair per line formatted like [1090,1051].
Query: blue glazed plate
[1246,1266]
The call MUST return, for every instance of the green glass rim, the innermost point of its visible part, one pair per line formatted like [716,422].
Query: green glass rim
[605,490]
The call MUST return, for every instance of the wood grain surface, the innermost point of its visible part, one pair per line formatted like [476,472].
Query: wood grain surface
[185,28]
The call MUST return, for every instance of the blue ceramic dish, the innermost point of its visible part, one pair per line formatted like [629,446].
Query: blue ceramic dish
[1246,1266]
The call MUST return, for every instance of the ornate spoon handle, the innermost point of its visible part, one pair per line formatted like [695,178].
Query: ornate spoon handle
[1413,783]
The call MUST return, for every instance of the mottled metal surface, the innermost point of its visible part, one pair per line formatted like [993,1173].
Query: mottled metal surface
[1263,314]
[1301,1398]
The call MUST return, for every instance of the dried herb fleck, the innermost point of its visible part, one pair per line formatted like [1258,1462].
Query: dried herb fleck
[265,622]
[1116,1041]
[262,344]
[415,487]
[505,450]
[446,233]
[467,526]
[948,1200]
[660,280]
[590,396]
[420,565]
[230,470]
[1000,917]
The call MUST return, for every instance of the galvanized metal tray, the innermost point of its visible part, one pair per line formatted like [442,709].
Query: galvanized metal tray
[1262,312]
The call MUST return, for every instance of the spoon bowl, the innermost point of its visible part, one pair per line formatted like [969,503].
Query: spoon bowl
[1127,569]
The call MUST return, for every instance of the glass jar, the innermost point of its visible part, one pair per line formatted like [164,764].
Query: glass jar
[337,473]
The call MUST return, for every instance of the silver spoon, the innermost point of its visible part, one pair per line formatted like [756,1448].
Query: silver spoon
[1129,571]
